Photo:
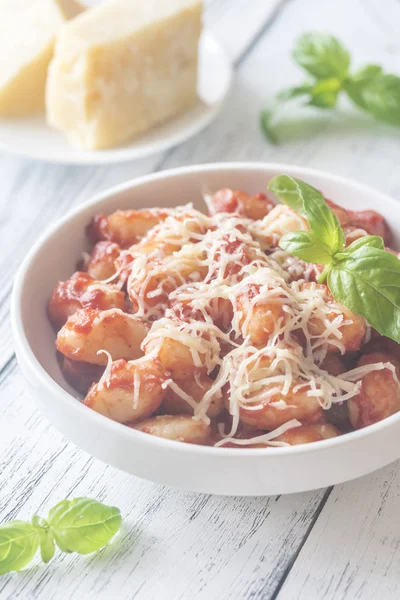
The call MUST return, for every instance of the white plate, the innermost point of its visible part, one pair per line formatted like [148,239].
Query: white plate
[32,138]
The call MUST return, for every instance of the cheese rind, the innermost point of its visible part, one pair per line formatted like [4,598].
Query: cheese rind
[27,33]
[122,68]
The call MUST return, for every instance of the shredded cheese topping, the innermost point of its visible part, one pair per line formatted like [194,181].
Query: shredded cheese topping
[212,286]
[104,379]
[266,438]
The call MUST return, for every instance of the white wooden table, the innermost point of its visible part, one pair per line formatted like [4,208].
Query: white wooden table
[340,543]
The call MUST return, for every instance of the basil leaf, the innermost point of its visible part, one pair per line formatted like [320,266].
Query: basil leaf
[325,100]
[267,127]
[310,203]
[366,73]
[355,84]
[322,56]
[83,525]
[375,241]
[46,539]
[325,93]
[268,116]
[306,246]
[19,542]
[368,282]
[379,96]
[47,545]
[294,92]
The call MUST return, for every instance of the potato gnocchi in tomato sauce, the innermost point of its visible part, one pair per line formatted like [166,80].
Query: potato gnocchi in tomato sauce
[198,328]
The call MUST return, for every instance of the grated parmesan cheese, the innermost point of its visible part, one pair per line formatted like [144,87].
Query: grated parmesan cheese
[192,273]
[104,379]
[266,438]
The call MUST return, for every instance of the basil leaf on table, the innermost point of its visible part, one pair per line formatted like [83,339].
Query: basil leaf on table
[294,92]
[266,118]
[47,545]
[306,246]
[368,282]
[379,96]
[325,93]
[366,73]
[322,56]
[355,84]
[310,203]
[83,525]
[46,539]
[19,542]
[328,62]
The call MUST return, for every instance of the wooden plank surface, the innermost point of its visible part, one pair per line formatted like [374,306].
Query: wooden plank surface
[327,544]
[353,551]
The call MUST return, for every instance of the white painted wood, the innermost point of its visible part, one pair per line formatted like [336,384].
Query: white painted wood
[180,545]
[353,551]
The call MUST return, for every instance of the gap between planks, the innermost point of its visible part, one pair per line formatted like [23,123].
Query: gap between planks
[286,573]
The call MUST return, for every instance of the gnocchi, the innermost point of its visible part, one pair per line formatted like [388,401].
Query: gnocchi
[199,328]
[130,392]
[379,396]
[88,331]
[82,291]
[180,428]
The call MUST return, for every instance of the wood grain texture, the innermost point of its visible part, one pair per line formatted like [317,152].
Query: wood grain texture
[175,545]
[360,520]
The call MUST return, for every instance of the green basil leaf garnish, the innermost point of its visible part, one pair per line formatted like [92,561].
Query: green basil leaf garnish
[306,246]
[367,240]
[368,282]
[310,203]
[362,276]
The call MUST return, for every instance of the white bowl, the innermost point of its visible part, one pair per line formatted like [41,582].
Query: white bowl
[234,471]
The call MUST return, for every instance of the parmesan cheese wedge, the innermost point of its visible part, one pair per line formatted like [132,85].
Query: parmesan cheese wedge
[27,32]
[123,67]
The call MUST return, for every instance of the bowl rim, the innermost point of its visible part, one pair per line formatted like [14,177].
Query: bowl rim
[24,349]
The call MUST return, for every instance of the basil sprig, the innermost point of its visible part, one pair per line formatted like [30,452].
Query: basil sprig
[327,62]
[362,276]
[306,200]
[81,525]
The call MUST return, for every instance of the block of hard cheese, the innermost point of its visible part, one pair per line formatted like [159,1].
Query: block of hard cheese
[123,67]
[27,32]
